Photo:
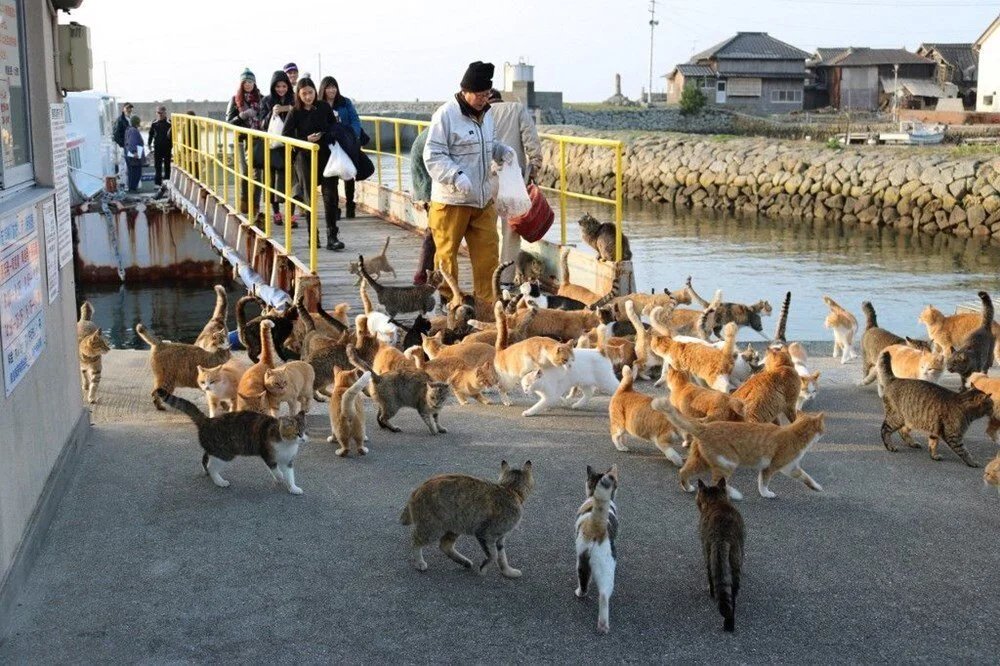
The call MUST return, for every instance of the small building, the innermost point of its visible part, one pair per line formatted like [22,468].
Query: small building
[750,71]
[853,78]
[956,64]
[988,84]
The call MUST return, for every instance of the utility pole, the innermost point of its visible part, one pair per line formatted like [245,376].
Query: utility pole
[106,89]
[895,93]
[652,24]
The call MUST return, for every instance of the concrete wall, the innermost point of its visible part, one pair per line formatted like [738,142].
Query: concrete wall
[43,422]
[763,104]
[989,74]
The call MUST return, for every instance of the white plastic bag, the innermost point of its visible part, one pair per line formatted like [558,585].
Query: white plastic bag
[276,126]
[512,195]
[339,165]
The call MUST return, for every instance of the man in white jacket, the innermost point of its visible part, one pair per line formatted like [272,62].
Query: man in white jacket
[515,128]
[458,155]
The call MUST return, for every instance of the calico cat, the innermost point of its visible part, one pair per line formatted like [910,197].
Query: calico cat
[724,446]
[602,237]
[249,330]
[809,380]
[527,268]
[175,364]
[514,361]
[722,533]
[596,530]
[976,353]
[942,414]
[220,383]
[404,388]
[772,392]
[873,341]
[844,326]
[567,288]
[398,300]
[376,265]
[91,345]
[631,413]
[347,411]
[531,292]
[219,320]
[991,387]
[447,506]
[589,370]
[276,440]
[741,314]
[952,331]
[291,384]
[251,393]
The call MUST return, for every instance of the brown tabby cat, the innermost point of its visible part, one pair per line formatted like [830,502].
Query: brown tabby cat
[251,394]
[873,341]
[347,411]
[376,265]
[175,364]
[602,237]
[291,384]
[447,506]
[724,446]
[91,346]
[976,353]
[722,536]
[219,320]
[527,268]
[397,300]
[327,355]
[404,388]
[233,434]
[942,414]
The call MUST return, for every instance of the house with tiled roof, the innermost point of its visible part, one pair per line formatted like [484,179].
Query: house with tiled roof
[750,71]
[957,64]
[862,78]
[988,83]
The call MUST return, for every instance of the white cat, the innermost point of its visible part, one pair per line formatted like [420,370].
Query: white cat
[589,371]
[810,380]
[381,327]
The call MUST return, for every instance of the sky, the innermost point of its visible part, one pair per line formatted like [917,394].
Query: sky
[405,50]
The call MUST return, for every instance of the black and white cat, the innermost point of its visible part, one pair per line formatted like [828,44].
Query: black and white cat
[531,293]
[596,530]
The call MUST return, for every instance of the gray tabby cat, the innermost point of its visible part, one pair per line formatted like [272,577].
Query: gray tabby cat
[976,355]
[873,341]
[722,536]
[398,300]
[601,237]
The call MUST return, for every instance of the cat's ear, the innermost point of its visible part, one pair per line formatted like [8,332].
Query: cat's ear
[815,376]
[721,485]
[590,471]
[504,467]
[613,472]
[526,467]
[701,485]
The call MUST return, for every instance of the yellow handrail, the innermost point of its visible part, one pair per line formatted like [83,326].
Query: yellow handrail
[204,148]
[562,190]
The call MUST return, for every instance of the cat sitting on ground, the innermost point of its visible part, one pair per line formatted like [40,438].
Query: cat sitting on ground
[527,268]
[631,413]
[175,364]
[596,529]
[590,370]
[347,411]
[447,506]
[941,413]
[219,320]
[91,345]
[844,326]
[422,298]
[291,384]
[722,536]
[976,353]
[602,237]
[220,384]
[276,440]
[724,446]
[376,265]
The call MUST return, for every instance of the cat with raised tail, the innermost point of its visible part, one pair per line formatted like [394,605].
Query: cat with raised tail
[514,361]
[596,530]
[347,412]
[376,265]
[873,341]
[741,314]
[976,353]
[567,288]
[219,320]
[175,364]
[91,346]
[844,326]
[224,437]
[422,298]
[722,535]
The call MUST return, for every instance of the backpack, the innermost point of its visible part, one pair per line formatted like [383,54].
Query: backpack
[119,133]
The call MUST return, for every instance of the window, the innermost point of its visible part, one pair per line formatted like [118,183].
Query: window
[15,135]
[744,88]
[74,158]
[786,96]
[987,100]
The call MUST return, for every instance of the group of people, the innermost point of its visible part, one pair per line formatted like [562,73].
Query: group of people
[127,136]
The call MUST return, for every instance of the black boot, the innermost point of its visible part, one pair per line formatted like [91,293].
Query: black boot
[350,210]
[332,242]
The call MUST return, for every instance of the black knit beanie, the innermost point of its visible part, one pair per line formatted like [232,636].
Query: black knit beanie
[478,77]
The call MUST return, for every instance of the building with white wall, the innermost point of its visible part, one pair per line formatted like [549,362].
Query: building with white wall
[988,85]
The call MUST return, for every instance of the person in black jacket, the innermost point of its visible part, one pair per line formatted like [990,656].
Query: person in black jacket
[279,102]
[122,125]
[161,141]
[311,120]
[244,111]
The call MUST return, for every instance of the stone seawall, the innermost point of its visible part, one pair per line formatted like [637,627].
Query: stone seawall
[918,188]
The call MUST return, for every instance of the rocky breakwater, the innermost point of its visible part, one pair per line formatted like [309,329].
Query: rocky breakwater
[919,188]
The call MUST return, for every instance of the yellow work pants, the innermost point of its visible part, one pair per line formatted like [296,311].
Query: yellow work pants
[478,226]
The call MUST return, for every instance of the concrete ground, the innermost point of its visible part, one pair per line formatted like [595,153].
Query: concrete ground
[147,561]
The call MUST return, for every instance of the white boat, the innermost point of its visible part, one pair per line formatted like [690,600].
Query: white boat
[91,152]
[914,133]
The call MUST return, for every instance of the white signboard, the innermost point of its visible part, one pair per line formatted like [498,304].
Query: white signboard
[51,249]
[60,168]
[22,311]
[6,125]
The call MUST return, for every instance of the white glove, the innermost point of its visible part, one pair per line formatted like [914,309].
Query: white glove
[463,184]
[509,156]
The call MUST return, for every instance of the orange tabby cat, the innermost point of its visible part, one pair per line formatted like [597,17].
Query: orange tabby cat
[630,413]
[347,411]
[991,475]
[567,288]
[991,387]
[844,326]
[291,384]
[947,332]
[388,358]
[562,325]
[724,446]
[473,353]
[470,382]
[911,363]
[220,383]
[251,394]
[773,391]
[713,366]
[519,359]
[698,402]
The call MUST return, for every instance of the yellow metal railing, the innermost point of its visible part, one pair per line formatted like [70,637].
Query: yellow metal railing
[216,155]
[562,190]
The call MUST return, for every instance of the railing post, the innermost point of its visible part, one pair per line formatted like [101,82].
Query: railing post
[225,163]
[562,192]
[267,188]
[288,198]
[618,201]
[399,159]
[314,218]
[250,179]
[378,154]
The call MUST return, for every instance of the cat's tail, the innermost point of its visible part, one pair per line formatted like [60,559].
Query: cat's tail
[689,288]
[501,321]
[330,319]
[870,320]
[723,578]
[656,317]
[885,374]
[456,292]
[364,273]
[353,391]
[987,309]
[241,319]
[360,363]
[221,304]
[305,318]
[628,379]
[147,335]
[385,248]
[729,348]
[268,355]
[832,304]
[706,321]
[641,337]
[605,299]
[779,333]
[564,267]
[182,405]
[677,419]
[86,311]
[406,518]
[496,278]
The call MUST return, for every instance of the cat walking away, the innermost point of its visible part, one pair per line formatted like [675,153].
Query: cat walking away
[596,530]
[347,412]
[976,354]
[722,535]
[376,265]
[844,326]
[447,506]
[219,320]
[224,437]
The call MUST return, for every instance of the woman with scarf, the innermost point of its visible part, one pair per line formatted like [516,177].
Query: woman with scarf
[279,102]
[244,110]
[311,120]
[344,109]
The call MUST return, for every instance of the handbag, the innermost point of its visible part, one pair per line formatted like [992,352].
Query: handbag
[339,165]
[512,197]
[534,224]
[276,126]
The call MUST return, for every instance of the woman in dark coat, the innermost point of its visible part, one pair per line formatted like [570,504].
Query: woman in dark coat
[279,102]
[311,120]
[244,110]
[135,152]
[343,108]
